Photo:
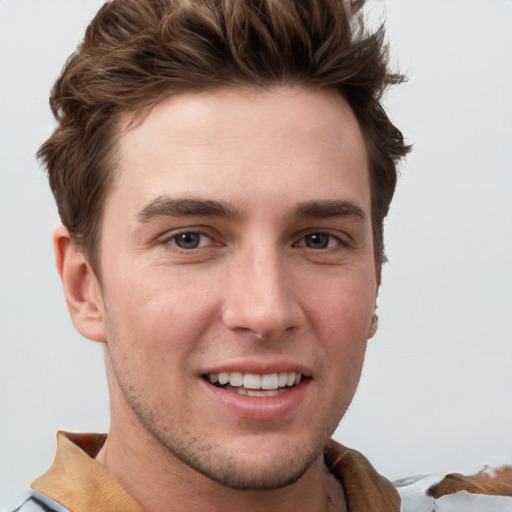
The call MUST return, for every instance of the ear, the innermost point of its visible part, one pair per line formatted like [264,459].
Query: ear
[373,326]
[81,288]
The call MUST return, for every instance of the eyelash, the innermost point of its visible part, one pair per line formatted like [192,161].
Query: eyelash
[338,240]
[173,239]
[303,241]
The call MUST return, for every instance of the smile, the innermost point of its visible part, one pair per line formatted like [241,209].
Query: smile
[252,384]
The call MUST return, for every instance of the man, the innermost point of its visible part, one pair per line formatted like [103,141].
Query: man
[222,170]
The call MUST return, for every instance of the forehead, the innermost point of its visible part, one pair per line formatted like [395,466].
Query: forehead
[244,144]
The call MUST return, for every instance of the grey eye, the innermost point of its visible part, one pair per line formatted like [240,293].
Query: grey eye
[187,240]
[317,240]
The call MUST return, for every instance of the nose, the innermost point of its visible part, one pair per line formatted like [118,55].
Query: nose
[261,296]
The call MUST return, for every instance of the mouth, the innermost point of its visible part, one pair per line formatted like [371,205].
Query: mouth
[252,384]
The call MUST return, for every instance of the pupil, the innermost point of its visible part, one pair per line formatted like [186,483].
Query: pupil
[187,240]
[317,241]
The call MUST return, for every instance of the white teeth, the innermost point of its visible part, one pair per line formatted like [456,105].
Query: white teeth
[258,392]
[269,381]
[236,379]
[253,381]
[223,378]
[255,392]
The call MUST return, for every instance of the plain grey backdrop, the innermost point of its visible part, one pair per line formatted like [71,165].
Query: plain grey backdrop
[436,390]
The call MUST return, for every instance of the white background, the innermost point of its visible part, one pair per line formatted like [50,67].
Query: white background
[436,391]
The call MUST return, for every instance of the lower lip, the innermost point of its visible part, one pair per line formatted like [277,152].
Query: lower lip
[262,408]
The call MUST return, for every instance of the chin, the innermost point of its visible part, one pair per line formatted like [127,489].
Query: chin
[271,472]
[256,466]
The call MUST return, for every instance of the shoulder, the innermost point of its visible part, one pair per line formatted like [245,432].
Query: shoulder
[38,502]
[416,497]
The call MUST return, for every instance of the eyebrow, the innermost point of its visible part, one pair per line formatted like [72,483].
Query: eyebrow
[330,209]
[164,206]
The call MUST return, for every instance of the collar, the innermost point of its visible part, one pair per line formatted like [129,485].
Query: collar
[79,483]
[364,488]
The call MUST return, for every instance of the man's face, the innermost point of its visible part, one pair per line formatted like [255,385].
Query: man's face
[237,246]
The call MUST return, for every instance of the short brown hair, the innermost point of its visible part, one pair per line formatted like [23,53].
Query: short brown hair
[136,52]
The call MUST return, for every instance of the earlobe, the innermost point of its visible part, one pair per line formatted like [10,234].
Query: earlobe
[373,326]
[81,287]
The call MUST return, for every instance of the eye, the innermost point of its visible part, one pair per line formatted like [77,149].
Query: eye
[190,240]
[320,241]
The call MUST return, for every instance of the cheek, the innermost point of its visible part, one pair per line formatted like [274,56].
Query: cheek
[155,312]
[343,306]
[341,315]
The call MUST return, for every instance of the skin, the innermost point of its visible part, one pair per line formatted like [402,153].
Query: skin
[272,284]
